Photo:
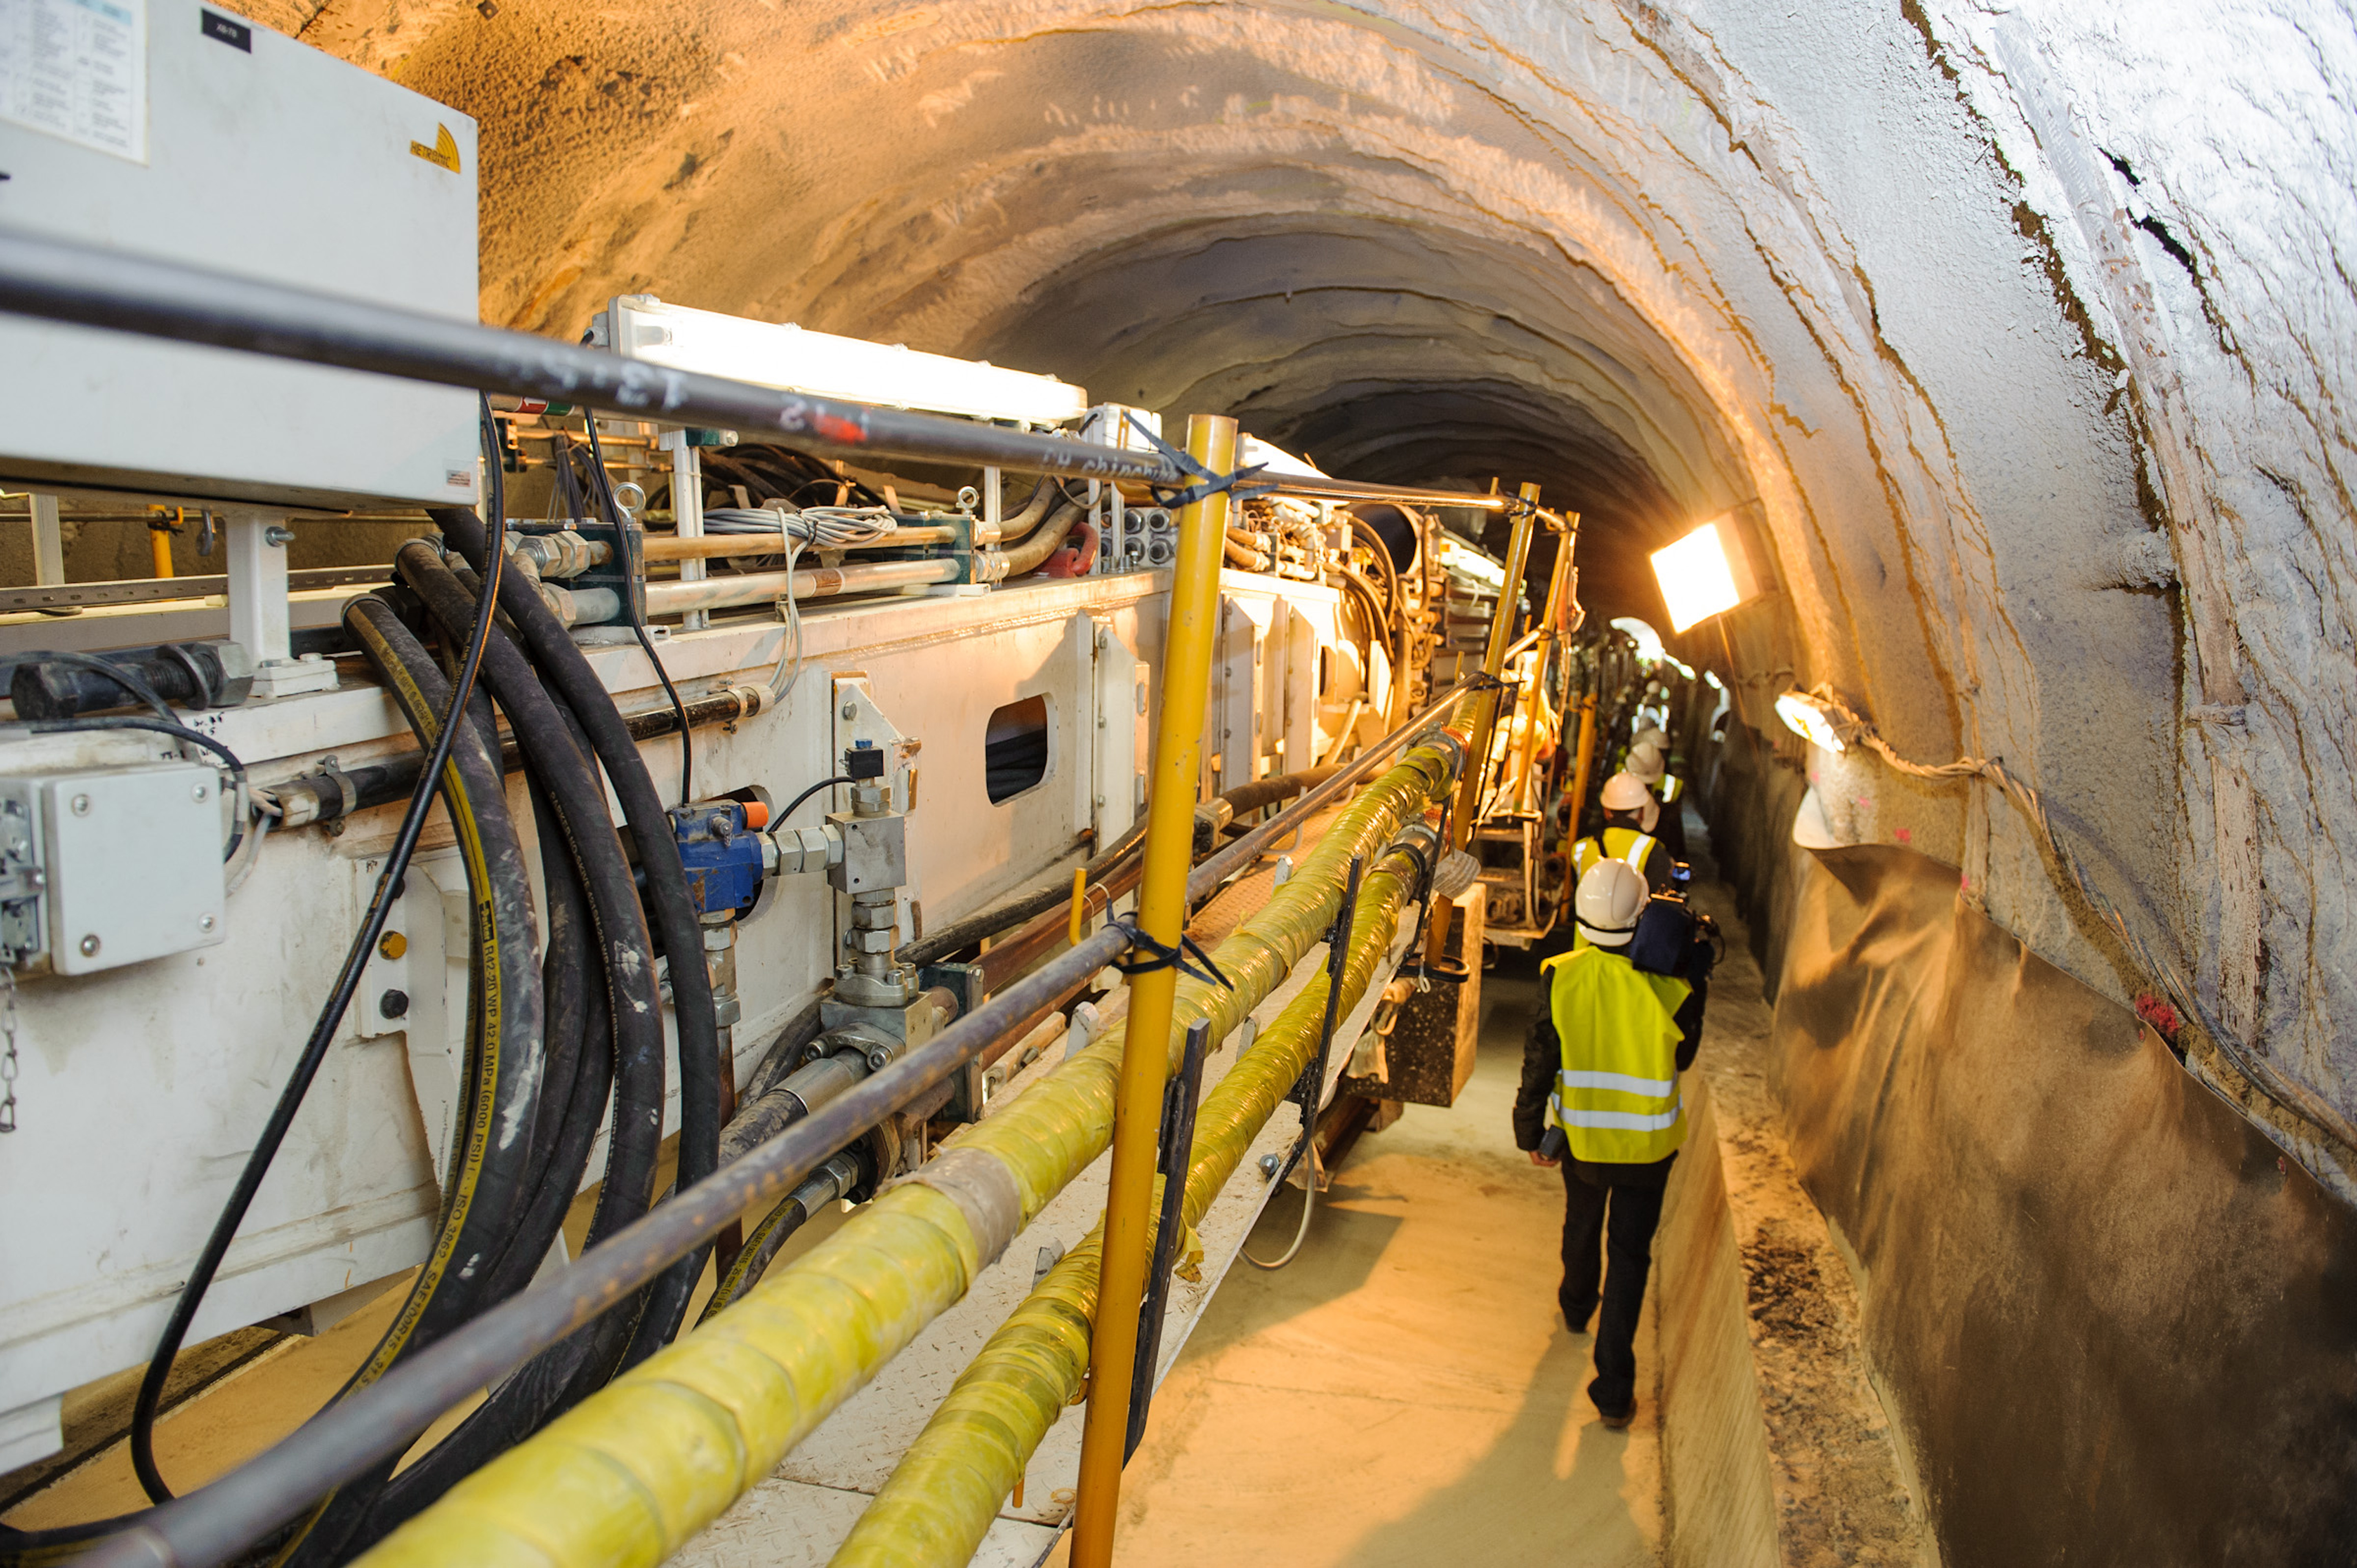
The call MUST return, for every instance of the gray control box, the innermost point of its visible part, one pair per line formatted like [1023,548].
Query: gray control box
[101,867]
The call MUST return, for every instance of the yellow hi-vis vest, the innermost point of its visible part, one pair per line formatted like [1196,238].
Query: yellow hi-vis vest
[1621,844]
[1668,790]
[1616,1096]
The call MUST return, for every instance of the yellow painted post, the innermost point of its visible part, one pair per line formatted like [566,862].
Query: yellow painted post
[1587,760]
[1483,719]
[1485,704]
[159,540]
[1534,703]
[1146,1059]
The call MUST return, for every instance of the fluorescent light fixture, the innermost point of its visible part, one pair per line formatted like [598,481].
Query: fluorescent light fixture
[1703,573]
[640,326]
[1252,450]
[1807,717]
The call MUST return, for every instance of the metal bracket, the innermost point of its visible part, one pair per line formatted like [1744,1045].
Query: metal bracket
[1180,1098]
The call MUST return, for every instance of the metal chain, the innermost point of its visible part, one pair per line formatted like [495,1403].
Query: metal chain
[7,1047]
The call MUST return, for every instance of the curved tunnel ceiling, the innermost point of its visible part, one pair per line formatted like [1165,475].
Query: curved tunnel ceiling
[2017,333]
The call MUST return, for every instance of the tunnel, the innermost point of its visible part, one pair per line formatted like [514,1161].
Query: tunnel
[2012,342]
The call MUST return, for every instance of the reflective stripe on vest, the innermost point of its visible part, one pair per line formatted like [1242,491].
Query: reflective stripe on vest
[1616,1094]
[1670,789]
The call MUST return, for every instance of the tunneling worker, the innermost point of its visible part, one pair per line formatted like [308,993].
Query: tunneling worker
[1649,764]
[1600,1097]
[1631,815]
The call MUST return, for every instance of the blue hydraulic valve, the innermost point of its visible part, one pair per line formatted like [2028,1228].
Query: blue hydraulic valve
[726,853]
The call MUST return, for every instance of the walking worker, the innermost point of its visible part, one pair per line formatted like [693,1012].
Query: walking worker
[1648,765]
[1631,816]
[1600,1098]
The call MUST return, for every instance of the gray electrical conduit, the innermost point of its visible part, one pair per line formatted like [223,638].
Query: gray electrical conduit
[215,1525]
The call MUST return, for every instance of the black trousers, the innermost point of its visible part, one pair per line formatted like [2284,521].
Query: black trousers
[1610,1214]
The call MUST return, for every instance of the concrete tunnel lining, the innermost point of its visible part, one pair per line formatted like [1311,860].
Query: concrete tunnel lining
[2022,335]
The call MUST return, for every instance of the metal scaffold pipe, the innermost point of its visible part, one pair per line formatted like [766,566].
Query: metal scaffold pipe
[91,286]
[1162,916]
[810,583]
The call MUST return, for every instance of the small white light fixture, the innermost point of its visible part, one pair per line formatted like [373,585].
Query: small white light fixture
[1807,717]
[1703,573]
[640,326]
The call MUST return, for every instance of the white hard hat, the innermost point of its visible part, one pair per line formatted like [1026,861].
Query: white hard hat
[1652,734]
[1627,792]
[1646,763]
[1610,897]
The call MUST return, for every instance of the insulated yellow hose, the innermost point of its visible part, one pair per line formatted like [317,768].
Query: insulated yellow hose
[628,1475]
[949,1486]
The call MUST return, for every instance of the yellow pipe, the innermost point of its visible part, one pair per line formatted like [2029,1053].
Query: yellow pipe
[1481,714]
[628,1475]
[1162,917]
[1534,698]
[159,542]
[1484,716]
[948,1487]
[1580,771]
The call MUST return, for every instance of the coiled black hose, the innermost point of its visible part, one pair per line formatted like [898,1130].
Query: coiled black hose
[616,1017]
[672,915]
[488,1182]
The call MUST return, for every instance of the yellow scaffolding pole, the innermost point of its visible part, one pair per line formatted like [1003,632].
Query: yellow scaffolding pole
[1483,719]
[1161,917]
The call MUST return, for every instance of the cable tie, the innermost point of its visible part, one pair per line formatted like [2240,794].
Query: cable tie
[1209,483]
[1166,957]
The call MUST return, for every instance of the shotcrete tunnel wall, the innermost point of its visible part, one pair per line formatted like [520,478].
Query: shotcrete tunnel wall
[2020,335]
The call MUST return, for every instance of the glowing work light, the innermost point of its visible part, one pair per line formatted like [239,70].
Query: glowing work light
[640,326]
[1807,717]
[1704,572]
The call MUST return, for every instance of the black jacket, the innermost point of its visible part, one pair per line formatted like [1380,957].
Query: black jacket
[1543,1059]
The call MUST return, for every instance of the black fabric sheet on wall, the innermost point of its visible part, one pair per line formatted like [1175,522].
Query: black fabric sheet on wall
[2115,1324]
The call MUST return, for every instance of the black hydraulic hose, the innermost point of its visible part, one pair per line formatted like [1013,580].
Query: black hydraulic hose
[634,568]
[522,1403]
[545,733]
[937,945]
[565,1000]
[1277,789]
[332,1016]
[1029,555]
[487,1181]
[831,1180]
[676,928]
[823,784]
[1026,517]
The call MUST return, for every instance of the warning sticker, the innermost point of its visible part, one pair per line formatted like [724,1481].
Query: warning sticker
[77,69]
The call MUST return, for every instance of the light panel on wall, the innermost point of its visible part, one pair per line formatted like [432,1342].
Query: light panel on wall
[1704,573]
[791,358]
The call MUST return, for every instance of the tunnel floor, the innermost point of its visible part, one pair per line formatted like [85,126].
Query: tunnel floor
[1405,1392]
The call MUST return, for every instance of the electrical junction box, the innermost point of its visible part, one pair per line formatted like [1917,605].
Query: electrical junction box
[101,867]
[183,132]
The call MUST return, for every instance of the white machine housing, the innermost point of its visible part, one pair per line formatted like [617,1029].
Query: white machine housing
[232,147]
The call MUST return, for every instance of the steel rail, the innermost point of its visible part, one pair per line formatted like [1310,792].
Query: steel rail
[1324,489]
[108,289]
[90,286]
